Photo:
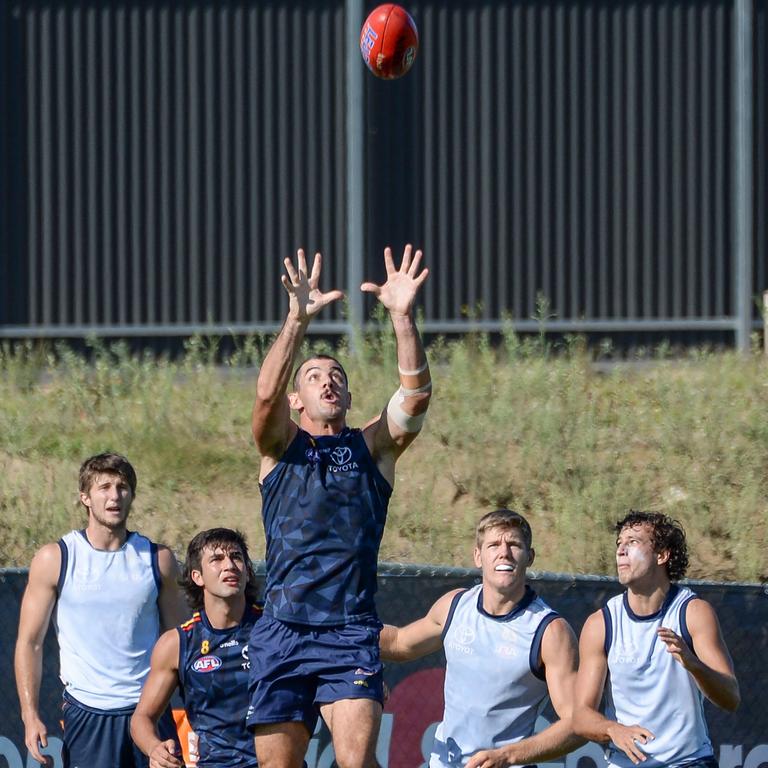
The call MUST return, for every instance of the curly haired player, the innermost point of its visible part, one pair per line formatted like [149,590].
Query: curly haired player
[661,648]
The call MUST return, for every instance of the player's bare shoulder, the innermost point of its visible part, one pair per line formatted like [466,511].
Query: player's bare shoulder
[46,565]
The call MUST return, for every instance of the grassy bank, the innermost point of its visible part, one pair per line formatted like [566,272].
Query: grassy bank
[514,425]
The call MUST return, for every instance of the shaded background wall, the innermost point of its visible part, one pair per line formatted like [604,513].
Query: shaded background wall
[415,704]
[159,159]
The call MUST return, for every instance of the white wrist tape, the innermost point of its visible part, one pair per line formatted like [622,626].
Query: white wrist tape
[405,421]
[403,372]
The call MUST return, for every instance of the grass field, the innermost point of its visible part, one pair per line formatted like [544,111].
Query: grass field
[516,424]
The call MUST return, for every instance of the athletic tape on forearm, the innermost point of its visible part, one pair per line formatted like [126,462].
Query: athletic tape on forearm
[405,421]
[403,372]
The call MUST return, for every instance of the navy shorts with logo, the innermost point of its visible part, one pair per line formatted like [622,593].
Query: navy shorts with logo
[295,668]
[97,737]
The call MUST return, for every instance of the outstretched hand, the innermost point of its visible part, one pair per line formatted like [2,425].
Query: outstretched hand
[398,293]
[305,299]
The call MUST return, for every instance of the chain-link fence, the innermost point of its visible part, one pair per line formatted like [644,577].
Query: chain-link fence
[415,702]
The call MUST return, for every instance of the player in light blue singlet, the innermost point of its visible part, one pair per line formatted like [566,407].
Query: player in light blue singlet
[206,658]
[325,490]
[113,591]
[658,651]
[507,653]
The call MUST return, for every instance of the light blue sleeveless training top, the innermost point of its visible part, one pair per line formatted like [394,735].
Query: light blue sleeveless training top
[648,687]
[494,684]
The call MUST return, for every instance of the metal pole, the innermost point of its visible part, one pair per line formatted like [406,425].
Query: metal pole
[765,323]
[744,167]
[355,124]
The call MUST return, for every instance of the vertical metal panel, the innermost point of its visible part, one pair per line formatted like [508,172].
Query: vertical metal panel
[163,158]
[611,157]
[760,269]
[175,154]
[744,158]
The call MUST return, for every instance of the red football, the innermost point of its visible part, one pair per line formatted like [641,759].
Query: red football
[389,41]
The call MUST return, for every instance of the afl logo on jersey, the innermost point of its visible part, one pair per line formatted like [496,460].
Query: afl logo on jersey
[207,664]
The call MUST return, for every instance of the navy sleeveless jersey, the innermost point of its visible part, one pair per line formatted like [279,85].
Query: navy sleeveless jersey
[324,506]
[213,678]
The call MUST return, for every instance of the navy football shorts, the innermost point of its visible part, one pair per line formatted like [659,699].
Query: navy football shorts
[96,737]
[295,668]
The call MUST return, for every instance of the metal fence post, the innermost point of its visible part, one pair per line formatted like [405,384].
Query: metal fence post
[765,322]
[355,191]
[744,167]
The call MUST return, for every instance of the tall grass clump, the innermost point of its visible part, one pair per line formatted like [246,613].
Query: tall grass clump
[517,423]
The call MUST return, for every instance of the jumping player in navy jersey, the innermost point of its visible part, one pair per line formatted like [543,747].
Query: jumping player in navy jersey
[325,490]
[206,658]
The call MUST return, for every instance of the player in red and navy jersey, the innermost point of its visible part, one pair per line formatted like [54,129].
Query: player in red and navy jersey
[206,658]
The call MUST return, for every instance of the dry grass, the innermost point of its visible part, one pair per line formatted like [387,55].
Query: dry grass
[512,426]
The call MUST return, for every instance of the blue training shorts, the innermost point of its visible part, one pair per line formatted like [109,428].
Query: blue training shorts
[295,668]
[95,737]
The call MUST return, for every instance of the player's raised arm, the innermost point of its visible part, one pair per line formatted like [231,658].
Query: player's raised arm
[271,420]
[155,695]
[418,638]
[36,607]
[407,408]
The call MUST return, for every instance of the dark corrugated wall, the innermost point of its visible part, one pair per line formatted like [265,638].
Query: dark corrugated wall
[576,151]
[173,154]
[159,160]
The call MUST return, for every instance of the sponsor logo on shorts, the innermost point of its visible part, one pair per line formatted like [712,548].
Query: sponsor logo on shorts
[207,664]
[361,675]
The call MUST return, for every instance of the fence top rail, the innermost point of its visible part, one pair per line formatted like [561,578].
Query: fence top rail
[445,571]
[416,570]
